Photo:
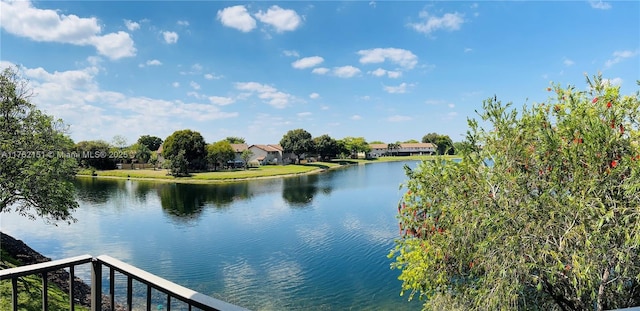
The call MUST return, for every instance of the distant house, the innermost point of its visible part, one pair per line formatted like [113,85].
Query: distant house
[378,150]
[417,149]
[268,154]
[239,149]
[238,161]
[406,149]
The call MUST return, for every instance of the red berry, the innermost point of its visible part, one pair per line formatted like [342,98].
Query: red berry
[621,129]
[614,163]
[609,105]
[594,100]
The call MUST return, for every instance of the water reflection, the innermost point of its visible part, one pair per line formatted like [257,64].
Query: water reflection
[180,200]
[299,191]
[94,190]
[185,200]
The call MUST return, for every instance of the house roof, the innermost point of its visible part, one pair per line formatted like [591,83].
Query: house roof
[268,148]
[378,146]
[417,145]
[239,147]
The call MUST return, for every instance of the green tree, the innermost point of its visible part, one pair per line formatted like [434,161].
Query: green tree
[193,145]
[235,140]
[246,156]
[153,159]
[326,146]
[444,145]
[141,152]
[355,145]
[298,142]
[545,216]
[36,172]
[152,142]
[95,154]
[220,153]
[430,138]
[179,166]
[411,141]
[379,142]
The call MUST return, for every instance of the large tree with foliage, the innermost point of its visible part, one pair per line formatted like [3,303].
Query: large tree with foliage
[355,145]
[179,166]
[193,145]
[545,216]
[220,153]
[443,143]
[297,141]
[95,154]
[325,146]
[36,166]
[152,142]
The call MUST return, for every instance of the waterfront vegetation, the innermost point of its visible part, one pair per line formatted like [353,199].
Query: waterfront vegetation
[553,223]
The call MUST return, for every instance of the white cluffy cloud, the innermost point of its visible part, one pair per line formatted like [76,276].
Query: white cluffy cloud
[237,17]
[619,56]
[307,62]
[600,5]
[221,101]
[320,70]
[404,58]
[381,73]
[271,95]
[131,25]
[281,19]
[431,23]
[93,113]
[345,71]
[170,37]
[400,89]
[22,19]
[314,95]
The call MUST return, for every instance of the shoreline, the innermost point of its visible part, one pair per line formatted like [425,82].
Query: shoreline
[191,180]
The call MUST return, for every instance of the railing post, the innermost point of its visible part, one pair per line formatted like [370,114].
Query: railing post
[96,285]
[45,292]
[72,277]
[14,293]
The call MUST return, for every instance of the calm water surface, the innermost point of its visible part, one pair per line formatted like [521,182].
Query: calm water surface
[313,242]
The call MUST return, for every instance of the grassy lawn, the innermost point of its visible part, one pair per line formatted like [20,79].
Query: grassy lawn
[257,172]
[30,291]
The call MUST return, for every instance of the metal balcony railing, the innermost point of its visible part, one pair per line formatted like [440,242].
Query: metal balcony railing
[172,290]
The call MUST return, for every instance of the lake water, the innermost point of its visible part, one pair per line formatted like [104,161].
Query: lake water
[312,242]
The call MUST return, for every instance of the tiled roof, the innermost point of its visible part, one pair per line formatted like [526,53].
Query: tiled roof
[417,145]
[378,146]
[269,148]
[239,147]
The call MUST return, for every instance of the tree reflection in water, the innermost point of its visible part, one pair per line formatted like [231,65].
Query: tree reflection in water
[188,200]
[299,191]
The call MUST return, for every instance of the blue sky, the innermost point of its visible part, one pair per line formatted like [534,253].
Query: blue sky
[388,71]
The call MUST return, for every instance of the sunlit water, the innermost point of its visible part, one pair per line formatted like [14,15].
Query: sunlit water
[313,242]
